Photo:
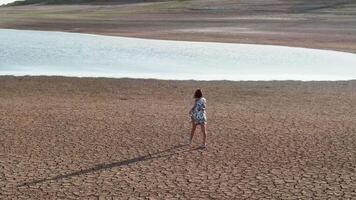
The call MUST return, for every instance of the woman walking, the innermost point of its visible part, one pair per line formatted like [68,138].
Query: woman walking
[198,116]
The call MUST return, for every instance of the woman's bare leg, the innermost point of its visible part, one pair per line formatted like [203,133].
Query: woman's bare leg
[203,129]
[194,126]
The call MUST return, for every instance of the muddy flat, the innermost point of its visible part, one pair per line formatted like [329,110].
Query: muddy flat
[100,138]
[324,24]
[88,138]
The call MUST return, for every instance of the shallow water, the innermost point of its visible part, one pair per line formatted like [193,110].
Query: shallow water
[6,1]
[84,55]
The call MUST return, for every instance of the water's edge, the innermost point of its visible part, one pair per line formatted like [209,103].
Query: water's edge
[169,40]
[66,54]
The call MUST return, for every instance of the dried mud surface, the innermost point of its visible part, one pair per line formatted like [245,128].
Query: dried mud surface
[84,138]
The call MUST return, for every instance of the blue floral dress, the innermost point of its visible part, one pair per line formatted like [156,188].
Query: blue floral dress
[197,113]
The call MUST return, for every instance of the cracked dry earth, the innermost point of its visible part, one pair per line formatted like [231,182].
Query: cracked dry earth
[83,138]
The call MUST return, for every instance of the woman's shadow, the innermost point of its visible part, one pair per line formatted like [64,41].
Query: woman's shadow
[165,153]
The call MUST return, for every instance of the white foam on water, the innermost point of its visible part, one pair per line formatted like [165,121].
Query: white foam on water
[84,55]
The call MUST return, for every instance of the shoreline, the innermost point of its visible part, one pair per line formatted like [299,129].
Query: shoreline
[174,80]
[172,40]
[237,62]
[277,44]
[326,26]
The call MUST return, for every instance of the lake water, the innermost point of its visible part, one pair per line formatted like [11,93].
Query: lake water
[84,55]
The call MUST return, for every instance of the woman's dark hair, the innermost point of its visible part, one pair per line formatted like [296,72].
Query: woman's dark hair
[198,94]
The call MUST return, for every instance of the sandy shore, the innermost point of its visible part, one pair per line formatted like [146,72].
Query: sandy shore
[116,138]
[324,24]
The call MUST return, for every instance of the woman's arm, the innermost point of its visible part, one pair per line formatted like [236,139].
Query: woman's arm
[203,104]
[191,110]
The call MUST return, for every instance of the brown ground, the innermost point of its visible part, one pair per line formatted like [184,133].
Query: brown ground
[116,138]
[325,24]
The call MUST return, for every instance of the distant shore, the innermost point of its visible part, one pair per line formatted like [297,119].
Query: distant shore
[311,24]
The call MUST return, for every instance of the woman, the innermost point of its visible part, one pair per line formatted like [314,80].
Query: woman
[198,116]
